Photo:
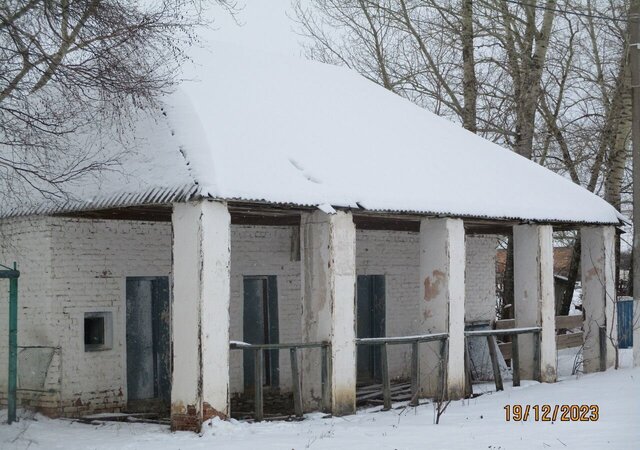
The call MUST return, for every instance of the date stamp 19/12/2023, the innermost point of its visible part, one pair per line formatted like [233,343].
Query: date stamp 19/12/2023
[552,413]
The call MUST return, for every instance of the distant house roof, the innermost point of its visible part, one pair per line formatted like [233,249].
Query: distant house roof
[256,127]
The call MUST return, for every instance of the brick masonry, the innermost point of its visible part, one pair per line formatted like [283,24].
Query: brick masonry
[73,266]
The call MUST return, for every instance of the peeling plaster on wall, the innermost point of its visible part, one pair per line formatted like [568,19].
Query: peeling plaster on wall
[328,285]
[442,249]
[534,297]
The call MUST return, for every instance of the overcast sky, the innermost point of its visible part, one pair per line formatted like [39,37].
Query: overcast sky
[263,24]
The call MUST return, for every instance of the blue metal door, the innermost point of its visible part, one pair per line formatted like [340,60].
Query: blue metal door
[370,322]
[148,339]
[260,326]
[625,323]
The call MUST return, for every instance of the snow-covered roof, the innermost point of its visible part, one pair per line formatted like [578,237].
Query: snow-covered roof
[251,126]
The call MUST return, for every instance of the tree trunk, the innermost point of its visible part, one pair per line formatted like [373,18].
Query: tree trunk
[508,304]
[469,82]
[572,278]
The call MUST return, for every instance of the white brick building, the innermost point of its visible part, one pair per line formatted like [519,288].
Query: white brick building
[82,266]
[251,216]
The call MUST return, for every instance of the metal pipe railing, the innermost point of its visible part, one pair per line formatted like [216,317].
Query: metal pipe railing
[515,356]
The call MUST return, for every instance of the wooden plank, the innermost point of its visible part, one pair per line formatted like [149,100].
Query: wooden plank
[503,332]
[444,347]
[603,348]
[386,382]
[402,339]
[468,386]
[415,373]
[385,223]
[295,378]
[569,340]
[244,218]
[369,388]
[536,356]
[325,378]
[515,360]
[497,377]
[505,349]
[504,324]
[562,341]
[236,345]
[569,322]
[397,390]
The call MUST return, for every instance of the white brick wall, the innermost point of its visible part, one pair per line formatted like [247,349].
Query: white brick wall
[28,241]
[91,262]
[73,266]
[480,296]
[262,250]
[69,267]
[395,255]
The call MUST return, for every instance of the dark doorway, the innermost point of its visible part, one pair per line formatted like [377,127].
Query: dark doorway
[148,343]
[370,322]
[260,326]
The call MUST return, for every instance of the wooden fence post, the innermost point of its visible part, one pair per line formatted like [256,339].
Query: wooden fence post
[536,356]
[325,377]
[415,373]
[258,356]
[497,376]
[443,364]
[515,360]
[603,348]
[386,382]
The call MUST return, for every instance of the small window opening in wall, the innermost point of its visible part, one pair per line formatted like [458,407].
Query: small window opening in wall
[97,331]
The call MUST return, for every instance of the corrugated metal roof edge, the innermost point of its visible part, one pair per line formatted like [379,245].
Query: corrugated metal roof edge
[152,196]
[183,193]
[621,219]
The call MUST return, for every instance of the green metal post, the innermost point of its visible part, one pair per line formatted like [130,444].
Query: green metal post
[13,346]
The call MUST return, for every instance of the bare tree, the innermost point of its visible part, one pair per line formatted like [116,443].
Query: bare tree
[546,80]
[586,110]
[404,45]
[73,68]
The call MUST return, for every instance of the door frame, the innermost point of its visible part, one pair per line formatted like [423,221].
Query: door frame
[378,283]
[120,326]
[271,365]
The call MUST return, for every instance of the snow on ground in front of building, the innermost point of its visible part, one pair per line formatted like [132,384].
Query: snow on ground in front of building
[478,423]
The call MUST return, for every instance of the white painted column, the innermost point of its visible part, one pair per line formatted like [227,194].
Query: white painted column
[200,313]
[328,258]
[598,294]
[535,298]
[442,291]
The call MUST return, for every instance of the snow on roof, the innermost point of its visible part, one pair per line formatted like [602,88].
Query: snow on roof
[254,126]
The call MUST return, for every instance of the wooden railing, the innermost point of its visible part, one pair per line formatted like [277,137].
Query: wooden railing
[562,340]
[384,342]
[258,351]
[515,358]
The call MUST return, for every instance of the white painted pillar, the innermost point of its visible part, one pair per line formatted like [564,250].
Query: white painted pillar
[597,261]
[442,291]
[328,258]
[535,299]
[200,313]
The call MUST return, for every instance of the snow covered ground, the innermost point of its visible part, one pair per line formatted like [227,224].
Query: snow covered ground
[471,424]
